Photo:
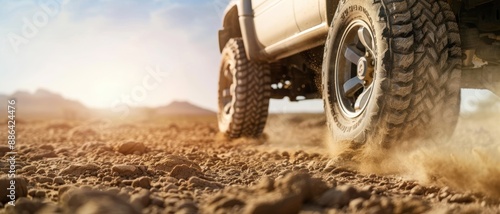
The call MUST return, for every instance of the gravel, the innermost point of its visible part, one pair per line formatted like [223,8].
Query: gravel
[153,168]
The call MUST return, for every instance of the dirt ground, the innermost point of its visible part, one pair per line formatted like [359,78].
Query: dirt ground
[183,165]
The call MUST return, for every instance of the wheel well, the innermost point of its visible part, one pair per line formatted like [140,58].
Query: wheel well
[230,28]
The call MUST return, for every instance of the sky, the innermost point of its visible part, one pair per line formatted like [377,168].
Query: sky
[106,52]
[100,52]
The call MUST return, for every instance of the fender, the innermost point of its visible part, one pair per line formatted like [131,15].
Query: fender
[238,22]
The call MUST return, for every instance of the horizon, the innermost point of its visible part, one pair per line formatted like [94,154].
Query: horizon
[278,107]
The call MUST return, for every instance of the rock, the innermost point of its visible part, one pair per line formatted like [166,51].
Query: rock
[20,188]
[125,170]
[202,183]
[184,172]
[47,147]
[141,199]
[29,168]
[58,180]
[40,194]
[341,196]
[107,179]
[462,198]
[79,169]
[43,179]
[143,182]
[417,190]
[95,202]
[172,161]
[32,192]
[127,182]
[302,184]
[131,147]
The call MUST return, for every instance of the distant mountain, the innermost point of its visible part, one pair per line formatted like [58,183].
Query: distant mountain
[182,108]
[43,104]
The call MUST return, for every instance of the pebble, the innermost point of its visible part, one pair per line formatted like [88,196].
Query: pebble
[462,198]
[40,194]
[132,147]
[58,180]
[202,183]
[125,170]
[171,161]
[29,168]
[79,169]
[417,190]
[143,182]
[184,172]
[43,179]
[47,147]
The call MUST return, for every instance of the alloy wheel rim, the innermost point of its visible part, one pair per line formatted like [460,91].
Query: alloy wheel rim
[354,69]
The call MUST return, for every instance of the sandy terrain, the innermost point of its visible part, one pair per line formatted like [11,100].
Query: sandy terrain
[184,166]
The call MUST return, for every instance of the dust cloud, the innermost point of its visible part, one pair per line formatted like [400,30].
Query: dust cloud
[469,161]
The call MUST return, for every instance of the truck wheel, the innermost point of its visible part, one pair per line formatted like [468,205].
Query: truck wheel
[244,93]
[391,71]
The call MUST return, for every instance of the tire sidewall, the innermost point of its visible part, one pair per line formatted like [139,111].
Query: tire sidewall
[344,128]
[228,59]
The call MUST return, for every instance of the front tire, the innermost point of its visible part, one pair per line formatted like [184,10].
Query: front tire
[244,93]
[391,71]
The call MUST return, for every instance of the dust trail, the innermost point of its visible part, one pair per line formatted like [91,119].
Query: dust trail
[470,161]
[296,131]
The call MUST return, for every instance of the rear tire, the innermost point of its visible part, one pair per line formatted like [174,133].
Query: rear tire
[406,57]
[244,93]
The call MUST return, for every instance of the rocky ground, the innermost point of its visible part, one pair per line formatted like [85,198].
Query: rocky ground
[184,166]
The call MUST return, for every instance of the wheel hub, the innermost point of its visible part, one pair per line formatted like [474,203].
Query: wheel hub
[362,68]
[355,68]
[365,70]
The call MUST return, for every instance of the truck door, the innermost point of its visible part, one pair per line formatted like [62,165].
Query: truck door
[274,20]
[307,13]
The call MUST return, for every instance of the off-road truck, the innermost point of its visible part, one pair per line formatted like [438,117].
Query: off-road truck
[387,70]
